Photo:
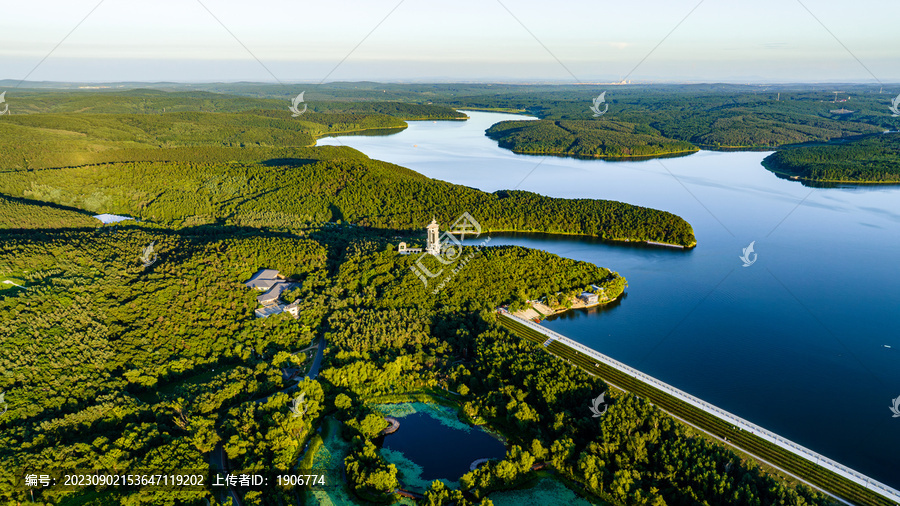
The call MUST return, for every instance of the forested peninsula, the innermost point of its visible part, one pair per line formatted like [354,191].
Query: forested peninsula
[873,159]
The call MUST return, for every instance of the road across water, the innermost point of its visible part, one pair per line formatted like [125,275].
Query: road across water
[737,421]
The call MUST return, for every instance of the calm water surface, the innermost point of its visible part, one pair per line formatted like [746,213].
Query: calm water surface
[443,452]
[795,342]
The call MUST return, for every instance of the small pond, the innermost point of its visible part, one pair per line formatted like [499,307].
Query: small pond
[432,444]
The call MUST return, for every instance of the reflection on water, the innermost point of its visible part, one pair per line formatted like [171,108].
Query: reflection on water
[433,444]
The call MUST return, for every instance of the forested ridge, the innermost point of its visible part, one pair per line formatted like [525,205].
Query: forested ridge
[156,102]
[303,188]
[256,168]
[63,140]
[650,123]
[874,159]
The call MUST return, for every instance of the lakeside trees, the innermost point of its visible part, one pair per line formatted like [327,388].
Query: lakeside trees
[322,187]
[255,168]
[874,159]
[91,382]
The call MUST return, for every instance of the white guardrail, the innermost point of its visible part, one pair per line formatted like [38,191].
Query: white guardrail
[739,422]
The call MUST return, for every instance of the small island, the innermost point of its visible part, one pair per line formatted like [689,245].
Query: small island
[589,139]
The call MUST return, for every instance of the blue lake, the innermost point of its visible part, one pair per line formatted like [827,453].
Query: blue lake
[796,342]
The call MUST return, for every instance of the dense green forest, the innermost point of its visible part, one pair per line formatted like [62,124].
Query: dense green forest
[61,140]
[873,159]
[642,120]
[154,101]
[711,116]
[646,122]
[320,184]
[255,168]
[607,139]
[107,363]
[22,213]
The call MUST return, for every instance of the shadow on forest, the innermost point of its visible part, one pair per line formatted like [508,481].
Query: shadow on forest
[43,203]
[288,162]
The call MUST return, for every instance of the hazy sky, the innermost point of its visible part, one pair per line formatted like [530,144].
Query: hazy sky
[722,40]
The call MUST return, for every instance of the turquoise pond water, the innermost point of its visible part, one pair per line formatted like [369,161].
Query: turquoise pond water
[432,444]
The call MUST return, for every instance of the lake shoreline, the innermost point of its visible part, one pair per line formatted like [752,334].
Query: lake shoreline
[617,241]
[544,311]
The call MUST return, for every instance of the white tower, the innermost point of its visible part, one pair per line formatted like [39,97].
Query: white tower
[433,239]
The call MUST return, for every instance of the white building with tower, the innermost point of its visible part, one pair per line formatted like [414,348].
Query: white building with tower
[432,241]
[433,238]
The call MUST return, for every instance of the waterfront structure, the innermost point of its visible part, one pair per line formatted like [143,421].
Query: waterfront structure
[737,422]
[589,298]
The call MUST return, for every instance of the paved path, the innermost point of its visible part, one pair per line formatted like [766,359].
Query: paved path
[317,361]
[312,373]
[740,423]
[475,463]
[218,456]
